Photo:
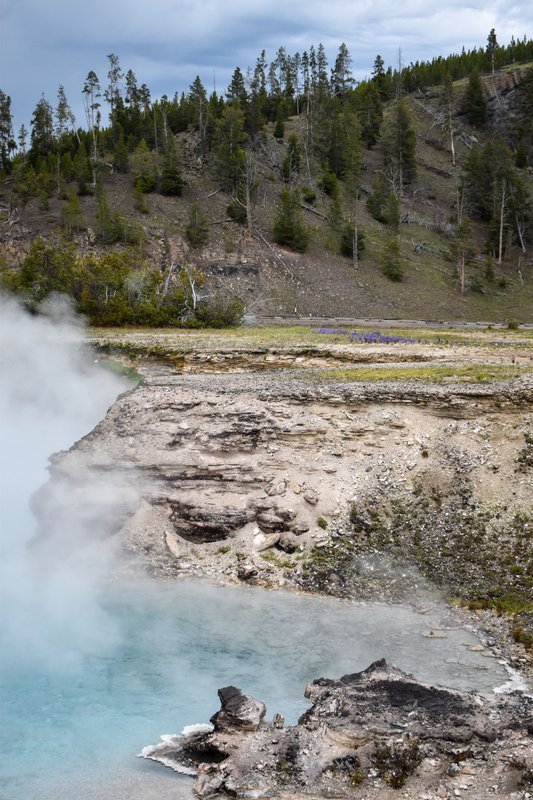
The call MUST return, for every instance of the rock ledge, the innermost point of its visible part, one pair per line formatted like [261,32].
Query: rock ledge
[366,735]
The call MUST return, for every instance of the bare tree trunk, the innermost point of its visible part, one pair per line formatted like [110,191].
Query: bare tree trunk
[452,145]
[520,230]
[462,271]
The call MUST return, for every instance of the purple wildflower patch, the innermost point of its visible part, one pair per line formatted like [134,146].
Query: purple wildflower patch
[376,337]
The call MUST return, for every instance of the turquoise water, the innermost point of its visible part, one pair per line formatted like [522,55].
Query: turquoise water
[74,732]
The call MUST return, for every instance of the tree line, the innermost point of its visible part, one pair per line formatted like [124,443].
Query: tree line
[339,120]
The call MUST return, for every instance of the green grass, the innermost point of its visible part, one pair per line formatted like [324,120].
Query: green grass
[271,558]
[470,373]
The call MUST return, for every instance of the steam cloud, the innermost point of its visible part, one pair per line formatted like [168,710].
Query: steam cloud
[51,394]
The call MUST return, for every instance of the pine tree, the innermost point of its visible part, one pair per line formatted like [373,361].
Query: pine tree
[391,262]
[72,215]
[236,92]
[230,139]
[370,111]
[112,93]
[398,144]
[198,101]
[82,169]
[91,91]
[7,143]
[139,201]
[292,161]
[341,76]
[144,168]
[120,155]
[474,103]
[197,230]
[492,46]
[383,203]
[42,132]
[289,228]
[22,139]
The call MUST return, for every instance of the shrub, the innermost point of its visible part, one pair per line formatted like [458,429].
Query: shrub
[308,195]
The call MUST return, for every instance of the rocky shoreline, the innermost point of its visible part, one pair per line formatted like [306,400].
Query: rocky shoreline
[403,492]
[366,735]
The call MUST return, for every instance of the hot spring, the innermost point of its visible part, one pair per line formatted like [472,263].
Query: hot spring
[94,668]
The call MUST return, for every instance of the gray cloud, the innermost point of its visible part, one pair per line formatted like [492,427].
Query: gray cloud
[168,42]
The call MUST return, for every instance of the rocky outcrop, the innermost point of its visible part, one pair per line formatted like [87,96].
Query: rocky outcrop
[272,479]
[238,712]
[365,735]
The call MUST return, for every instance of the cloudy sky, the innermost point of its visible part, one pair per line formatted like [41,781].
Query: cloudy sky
[44,43]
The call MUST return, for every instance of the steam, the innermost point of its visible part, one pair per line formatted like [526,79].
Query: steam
[51,394]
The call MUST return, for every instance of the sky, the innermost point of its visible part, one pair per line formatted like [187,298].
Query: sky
[168,42]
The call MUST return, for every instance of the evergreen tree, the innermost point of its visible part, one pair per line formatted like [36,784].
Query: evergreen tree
[380,80]
[171,181]
[197,230]
[492,46]
[198,101]
[64,116]
[42,131]
[341,75]
[22,139]
[474,104]
[236,92]
[139,200]
[120,155]
[352,243]
[47,268]
[144,168]
[279,129]
[112,93]
[370,111]
[82,169]
[391,262]
[258,96]
[383,203]
[230,139]
[398,144]
[289,229]
[110,226]
[292,161]
[7,143]
[72,215]
[91,91]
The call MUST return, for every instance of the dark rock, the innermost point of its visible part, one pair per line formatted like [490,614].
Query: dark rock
[206,524]
[377,723]
[238,712]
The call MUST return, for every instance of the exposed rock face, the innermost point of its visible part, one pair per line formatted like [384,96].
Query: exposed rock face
[365,735]
[268,478]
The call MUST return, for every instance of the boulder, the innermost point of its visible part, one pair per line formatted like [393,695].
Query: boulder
[238,711]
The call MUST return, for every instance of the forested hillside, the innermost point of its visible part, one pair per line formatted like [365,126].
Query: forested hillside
[297,191]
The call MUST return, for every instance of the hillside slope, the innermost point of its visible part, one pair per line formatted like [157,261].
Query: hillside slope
[273,280]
